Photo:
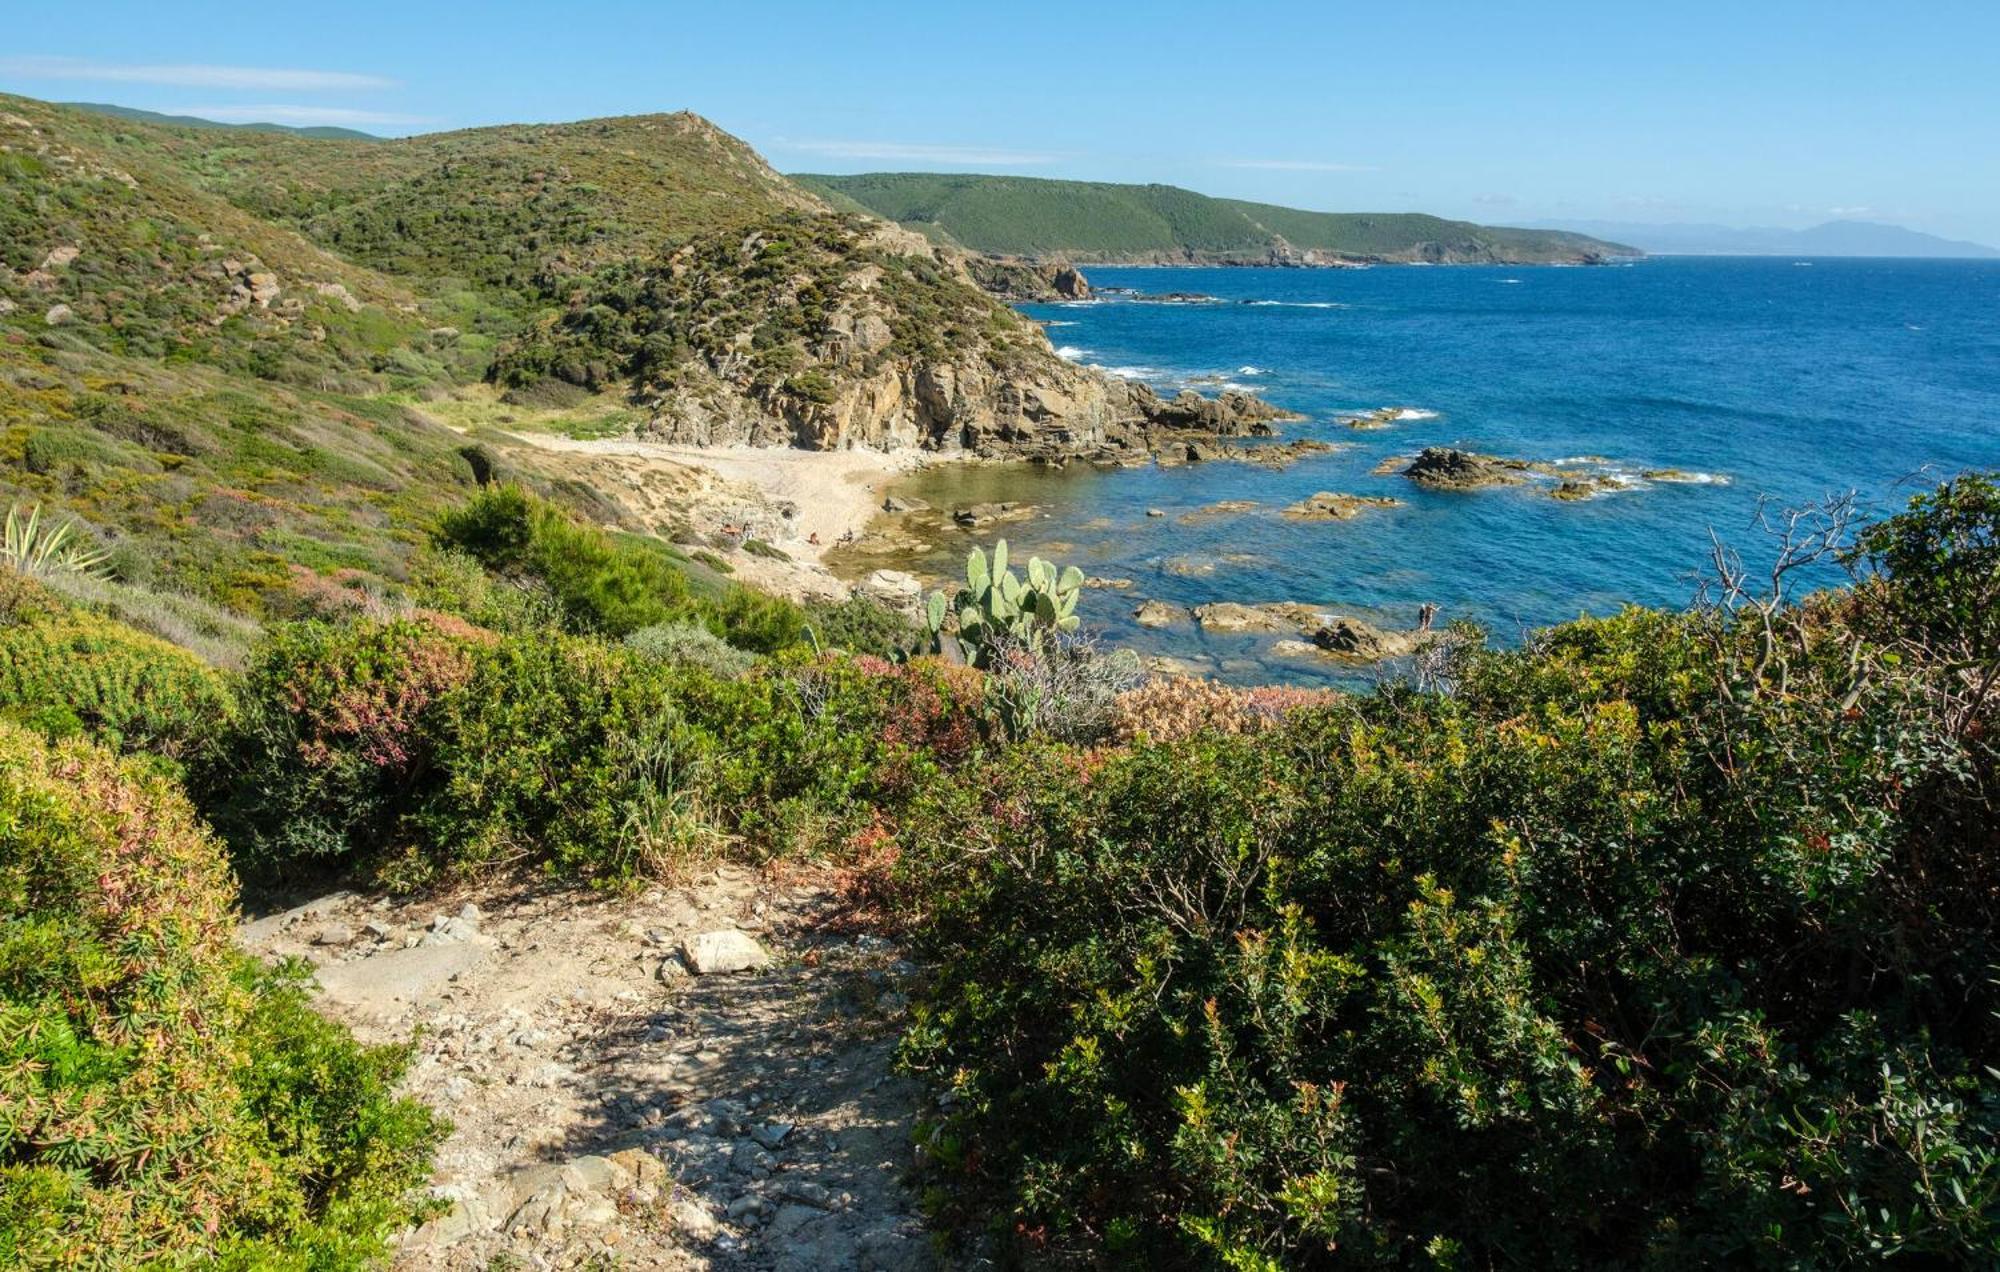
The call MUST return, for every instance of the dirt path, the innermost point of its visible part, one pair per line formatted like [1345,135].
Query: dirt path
[612,1107]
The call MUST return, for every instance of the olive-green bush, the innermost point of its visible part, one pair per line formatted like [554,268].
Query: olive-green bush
[167,1102]
[1639,949]
[67,672]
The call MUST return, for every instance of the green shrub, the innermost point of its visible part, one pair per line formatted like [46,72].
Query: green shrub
[68,672]
[568,751]
[336,739]
[213,634]
[417,751]
[757,621]
[1942,556]
[166,1099]
[861,626]
[606,585]
[453,581]
[1591,964]
[693,645]
[811,751]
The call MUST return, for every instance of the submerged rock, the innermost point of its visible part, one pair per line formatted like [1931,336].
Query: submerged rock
[1330,506]
[1223,508]
[1157,614]
[972,516]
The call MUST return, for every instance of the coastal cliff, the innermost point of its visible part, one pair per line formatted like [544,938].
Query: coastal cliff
[831,331]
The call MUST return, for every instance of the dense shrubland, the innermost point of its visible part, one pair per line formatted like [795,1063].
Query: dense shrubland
[168,1102]
[1655,942]
[1665,939]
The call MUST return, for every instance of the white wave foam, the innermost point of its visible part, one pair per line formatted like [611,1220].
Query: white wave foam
[1060,322]
[1297,304]
[1415,413]
[1249,370]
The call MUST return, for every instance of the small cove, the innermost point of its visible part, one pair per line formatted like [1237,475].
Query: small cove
[1779,383]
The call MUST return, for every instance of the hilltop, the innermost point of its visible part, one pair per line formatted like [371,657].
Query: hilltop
[1105,223]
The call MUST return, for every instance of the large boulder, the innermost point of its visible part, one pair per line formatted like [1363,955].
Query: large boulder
[1228,616]
[1070,284]
[1157,614]
[1443,468]
[893,589]
[1364,642]
[726,950]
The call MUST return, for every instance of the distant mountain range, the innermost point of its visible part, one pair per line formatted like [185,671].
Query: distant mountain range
[1835,238]
[191,121]
[1094,222]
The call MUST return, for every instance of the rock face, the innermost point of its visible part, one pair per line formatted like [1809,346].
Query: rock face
[1070,283]
[1016,278]
[1442,468]
[831,332]
[1233,414]
[1329,506]
[1157,614]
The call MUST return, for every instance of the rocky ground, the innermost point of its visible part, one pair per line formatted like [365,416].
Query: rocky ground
[697,1077]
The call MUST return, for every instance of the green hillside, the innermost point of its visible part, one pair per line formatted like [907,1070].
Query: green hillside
[1104,222]
[216,346]
[223,352]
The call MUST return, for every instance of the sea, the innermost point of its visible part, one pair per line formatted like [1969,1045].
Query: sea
[1757,383]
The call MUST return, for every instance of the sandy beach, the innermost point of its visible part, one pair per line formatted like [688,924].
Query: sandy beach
[834,492]
[801,502]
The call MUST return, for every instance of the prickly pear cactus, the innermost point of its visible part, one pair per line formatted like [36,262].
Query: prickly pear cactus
[996,608]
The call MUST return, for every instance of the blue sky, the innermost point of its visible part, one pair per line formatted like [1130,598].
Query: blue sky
[1752,112]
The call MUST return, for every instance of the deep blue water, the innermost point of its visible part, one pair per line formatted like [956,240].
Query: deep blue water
[1787,380]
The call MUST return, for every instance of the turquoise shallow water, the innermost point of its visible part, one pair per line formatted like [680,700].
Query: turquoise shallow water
[1788,380]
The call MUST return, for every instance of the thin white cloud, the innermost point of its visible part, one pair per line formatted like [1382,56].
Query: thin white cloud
[280,114]
[279,79]
[920,152]
[1859,210]
[1296,165]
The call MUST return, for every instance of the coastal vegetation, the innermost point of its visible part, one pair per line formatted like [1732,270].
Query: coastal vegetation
[1663,939]
[1671,931]
[1104,223]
